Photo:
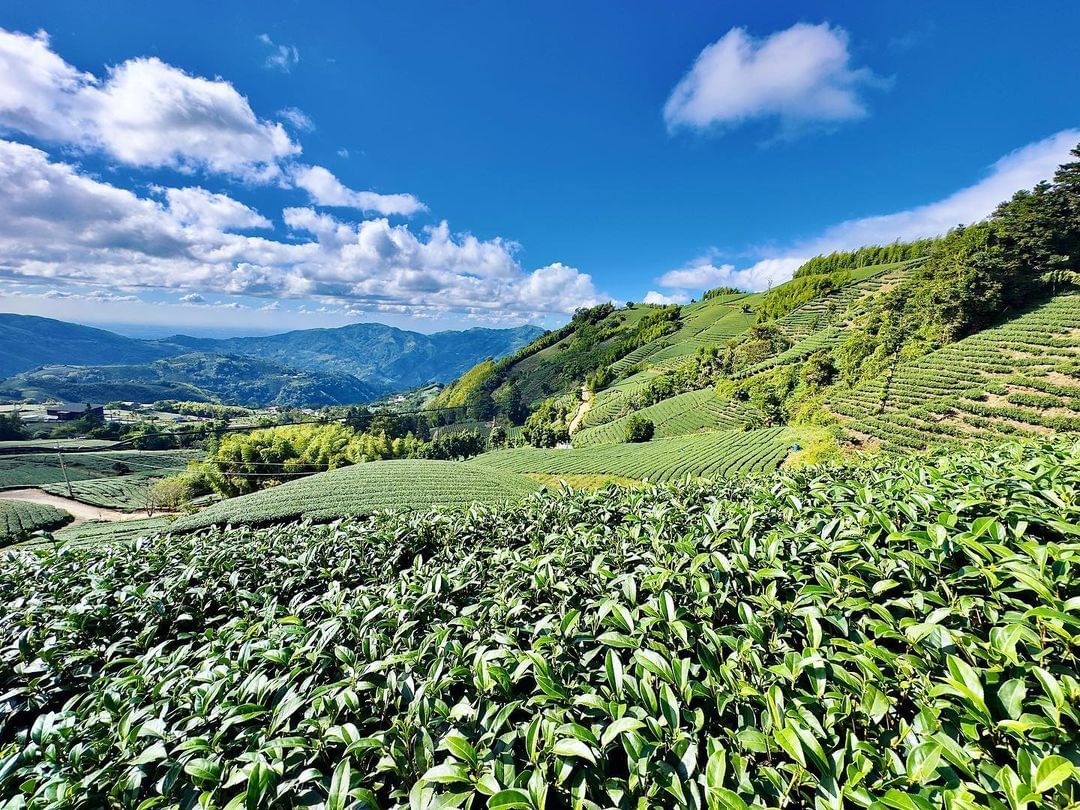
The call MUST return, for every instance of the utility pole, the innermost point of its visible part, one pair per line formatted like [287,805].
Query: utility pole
[63,469]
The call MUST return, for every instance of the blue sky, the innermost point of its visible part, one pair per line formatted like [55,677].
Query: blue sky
[233,167]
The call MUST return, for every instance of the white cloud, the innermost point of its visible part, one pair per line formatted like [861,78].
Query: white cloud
[703,273]
[144,113]
[343,153]
[282,57]
[563,289]
[299,119]
[801,76]
[192,298]
[1022,168]
[58,226]
[325,189]
[197,206]
[654,297]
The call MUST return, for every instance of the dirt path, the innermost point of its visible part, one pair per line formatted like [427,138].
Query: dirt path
[583,408]
[80,511]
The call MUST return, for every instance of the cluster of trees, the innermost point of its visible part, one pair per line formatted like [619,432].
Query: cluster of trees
[12,427]
[639,429]
[1027,249]
[787,394]
[720,292]
[789,297]
[205,410]
[866,256]
[239,463]
[549,424]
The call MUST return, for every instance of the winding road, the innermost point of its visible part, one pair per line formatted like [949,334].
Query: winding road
[583,408]
[80,511]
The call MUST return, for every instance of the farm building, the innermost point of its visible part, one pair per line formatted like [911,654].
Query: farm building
[69,413]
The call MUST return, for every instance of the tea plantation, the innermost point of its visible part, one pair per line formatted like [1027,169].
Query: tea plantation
[711,454]
[127,492]
[365,488]
[34,469]
[900,636]
[19,519]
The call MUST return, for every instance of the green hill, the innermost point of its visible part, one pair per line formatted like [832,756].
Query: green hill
[973,336]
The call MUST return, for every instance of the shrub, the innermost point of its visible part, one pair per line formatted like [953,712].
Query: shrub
[639,429]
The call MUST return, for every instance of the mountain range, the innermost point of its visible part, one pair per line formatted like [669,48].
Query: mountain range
[44,358]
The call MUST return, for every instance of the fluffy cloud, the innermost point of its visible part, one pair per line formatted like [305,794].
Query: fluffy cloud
[654,297]
[801,75]
[144,113]
[325,189]
[282,57]
[197,206]
[703,273]
[57,225]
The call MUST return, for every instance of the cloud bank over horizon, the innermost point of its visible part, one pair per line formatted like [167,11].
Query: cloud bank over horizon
[61,224]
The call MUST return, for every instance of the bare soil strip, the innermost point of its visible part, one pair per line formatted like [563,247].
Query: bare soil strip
[80,511]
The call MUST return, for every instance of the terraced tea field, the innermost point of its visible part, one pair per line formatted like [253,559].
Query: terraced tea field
[124,492]
[19,519]
[713,454]
[35,469]
[366,488]
[685,413]
[1018,379]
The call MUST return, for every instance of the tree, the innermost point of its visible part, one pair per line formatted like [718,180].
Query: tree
[498,437]
[639,429]
[167,494]
[359,419]
[11,427]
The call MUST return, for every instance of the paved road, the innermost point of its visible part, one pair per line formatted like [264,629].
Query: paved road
[80,511]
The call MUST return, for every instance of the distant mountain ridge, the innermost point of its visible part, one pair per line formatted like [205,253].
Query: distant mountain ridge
[197,377]
[349,363]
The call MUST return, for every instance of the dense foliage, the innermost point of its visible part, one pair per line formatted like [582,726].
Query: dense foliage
[549,424]
[639,429]
[903,637]
[19,519]
[792,295]
[866,256]
[720,292]
[12,427]
[1028,248]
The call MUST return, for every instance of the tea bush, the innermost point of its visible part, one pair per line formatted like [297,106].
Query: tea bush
[895,637]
